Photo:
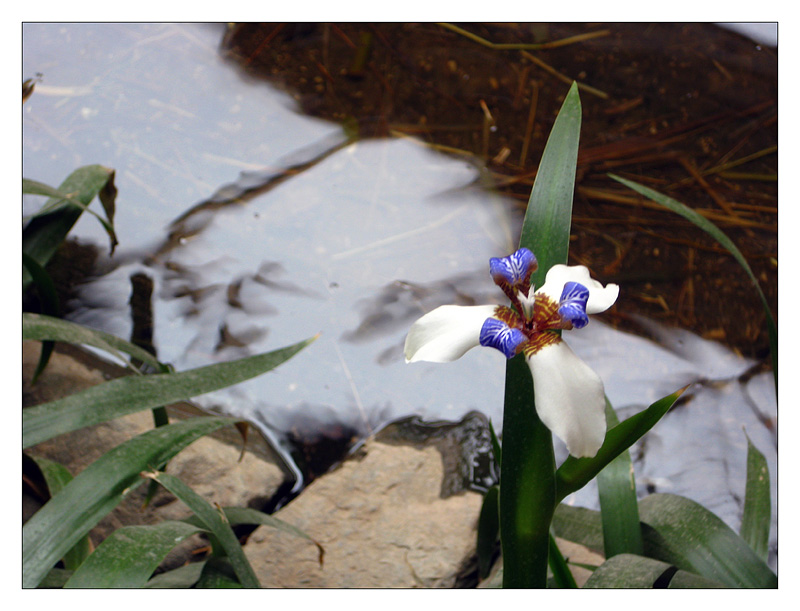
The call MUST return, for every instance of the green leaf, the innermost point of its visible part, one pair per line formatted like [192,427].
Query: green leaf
[757,514]
[548,219]
[580,525]
[575,473]
[82,503]
[135,393]
[497,449]
[44,233]
[681,532]
[182,577]
[562,576]
[247,515]
[56,578]
[48,301]
[618,504]
[57,476]
[218,574]
[488,531]
[527,483]
[627,571]
[214,521]
[632,571]
[129,555]
[44,328]
[684,579]
[703,223]
[527,491]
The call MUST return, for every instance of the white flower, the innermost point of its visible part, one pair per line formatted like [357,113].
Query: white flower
[570,399]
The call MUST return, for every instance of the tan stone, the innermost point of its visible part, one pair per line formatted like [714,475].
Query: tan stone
[382,522]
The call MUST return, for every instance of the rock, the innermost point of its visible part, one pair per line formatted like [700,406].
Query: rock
[210,465]
[382,520]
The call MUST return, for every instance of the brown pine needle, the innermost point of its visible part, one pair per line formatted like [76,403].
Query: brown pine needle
[516,46]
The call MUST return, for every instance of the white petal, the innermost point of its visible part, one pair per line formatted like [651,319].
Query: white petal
[446,333]
[600,297]
[570,399]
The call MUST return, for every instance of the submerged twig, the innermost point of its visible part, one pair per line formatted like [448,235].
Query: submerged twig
[511,46]
[563,78]
[529,126]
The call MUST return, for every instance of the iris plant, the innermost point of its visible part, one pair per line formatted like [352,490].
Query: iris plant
[569,395]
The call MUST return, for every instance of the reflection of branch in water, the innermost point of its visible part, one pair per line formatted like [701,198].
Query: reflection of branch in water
[353,388]
[249,186]
[398,304]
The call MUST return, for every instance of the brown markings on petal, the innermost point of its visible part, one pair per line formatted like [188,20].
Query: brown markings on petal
[539,341]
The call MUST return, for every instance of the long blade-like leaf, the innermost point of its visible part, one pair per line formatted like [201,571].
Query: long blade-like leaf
[548,219]
[757,513]
[562,575]
[44,234]
[129,555]
[96,490]
[183,577]
[703,223]
[57,476]
[135,393]
[48,302]
[488,531]
[618,505]
[686,534]
[627,571]
[247,515]
[575,473]
[527,480]
[43,328]
[216,522]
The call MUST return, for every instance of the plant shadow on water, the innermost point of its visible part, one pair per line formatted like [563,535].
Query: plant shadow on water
[356,238]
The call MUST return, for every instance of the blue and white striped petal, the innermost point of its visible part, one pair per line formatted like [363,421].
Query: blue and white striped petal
[497,334]
[515,269]
[600,297]
[572,305]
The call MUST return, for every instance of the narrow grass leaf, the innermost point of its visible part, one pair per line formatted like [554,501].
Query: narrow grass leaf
[129,555]
[95,491]
[247,515]
[214,521]
[488,531]
[681,532]
[135,393]
[48,302]
[562,576]
[527,491]
[580,525]
[218,574]
[627,571]
[182,577]
[618,504]
[703,223]
[44,233]
[757,514]
[48,328]
[57,476]
[575,473]
[548,219]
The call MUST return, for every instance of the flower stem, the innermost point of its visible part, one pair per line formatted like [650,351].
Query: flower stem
[527,483]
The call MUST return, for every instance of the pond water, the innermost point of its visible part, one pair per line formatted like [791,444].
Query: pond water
[260,227]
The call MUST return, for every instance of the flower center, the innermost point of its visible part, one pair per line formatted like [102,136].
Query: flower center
[534,319]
